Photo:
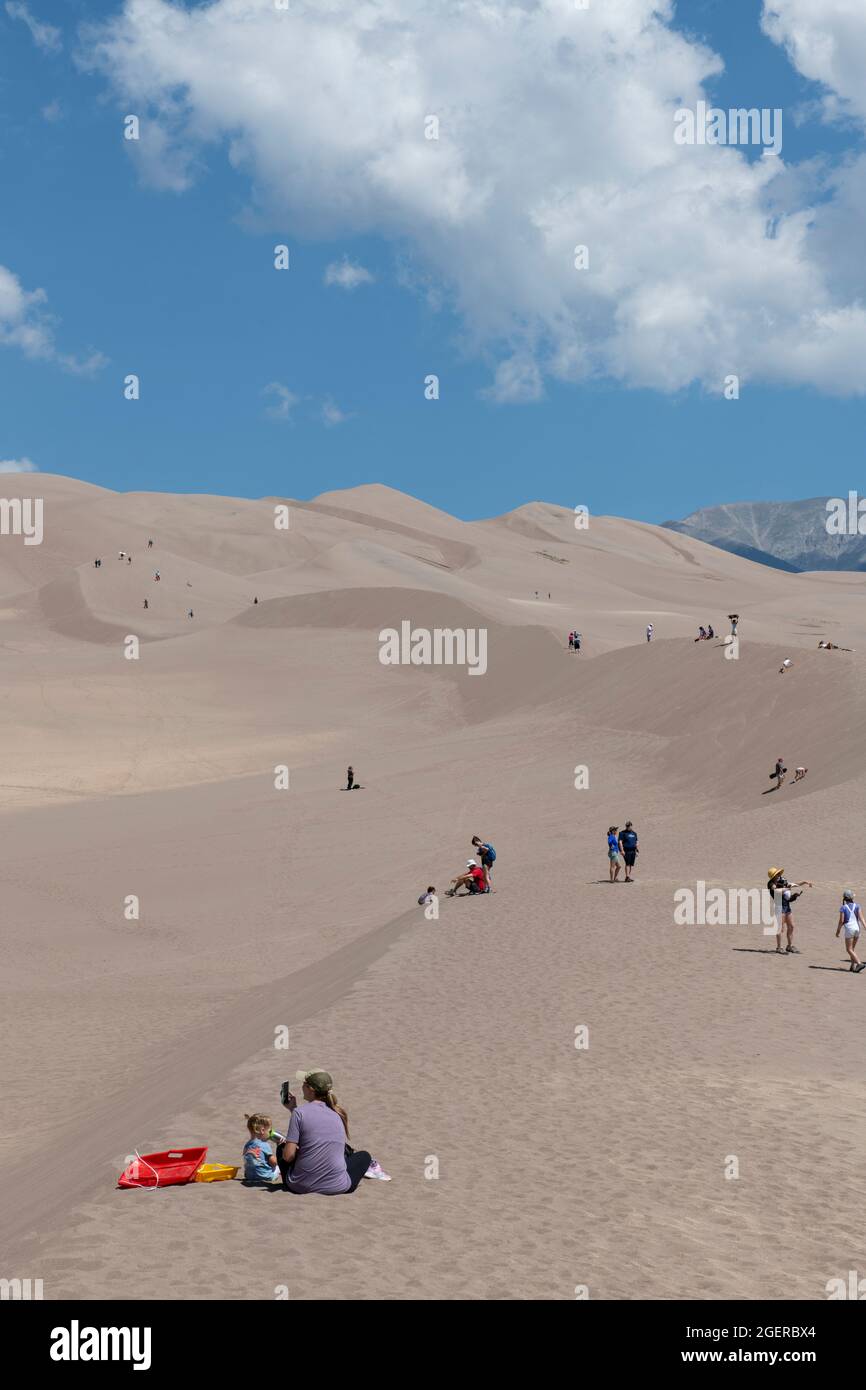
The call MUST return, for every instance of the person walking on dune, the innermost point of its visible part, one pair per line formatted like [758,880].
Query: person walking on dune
[783,895]
[628,845]
[613,854]
[778,772]
[851,918]
[649,632]
[350,779]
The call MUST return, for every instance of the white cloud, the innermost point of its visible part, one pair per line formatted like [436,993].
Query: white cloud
[53,112]
[826,42]
[555,130]
[45,36]
[284,401]
[331,414]
[347,275]
[17,466]
[517,379]
[25,323]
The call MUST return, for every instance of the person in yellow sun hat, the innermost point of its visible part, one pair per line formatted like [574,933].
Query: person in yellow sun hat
[783,895]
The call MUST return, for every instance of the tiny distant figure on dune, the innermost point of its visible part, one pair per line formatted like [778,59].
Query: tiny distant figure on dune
[156,576]
[710,633]
[851,919]
[577,641]
[190,614]
[613,854]
[487,854]
[702,635]
[831,647]
[778,772]
[571,641]
[129,559]
[799,774]
[733,619]
[785,666]
[121,554]
[150,545]
[97,564]
[146,604]
[350,779]
[427,898]
[256,599]
[649,632]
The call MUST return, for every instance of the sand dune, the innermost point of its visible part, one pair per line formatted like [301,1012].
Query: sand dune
[262,908]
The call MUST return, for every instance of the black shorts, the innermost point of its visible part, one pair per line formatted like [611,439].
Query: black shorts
[628,855]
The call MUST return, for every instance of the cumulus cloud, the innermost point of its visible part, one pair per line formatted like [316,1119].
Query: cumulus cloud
[45,36]
[555,130]
[23,465]
[827,44]
[25,323]
[347,275]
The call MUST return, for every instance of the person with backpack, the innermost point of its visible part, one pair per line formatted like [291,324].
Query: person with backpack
[851,918]
[487,855]
[628,845]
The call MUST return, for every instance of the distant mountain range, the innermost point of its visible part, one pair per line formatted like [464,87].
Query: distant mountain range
[786,535]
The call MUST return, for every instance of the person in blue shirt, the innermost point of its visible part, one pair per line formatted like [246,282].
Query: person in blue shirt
[613,853]
[487,855]
[260,1161]
[628,845]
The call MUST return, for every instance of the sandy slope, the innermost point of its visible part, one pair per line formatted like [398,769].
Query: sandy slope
[455,1039]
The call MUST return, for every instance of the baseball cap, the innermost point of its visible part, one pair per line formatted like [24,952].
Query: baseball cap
[848,896]
[316,1078]
[470,863]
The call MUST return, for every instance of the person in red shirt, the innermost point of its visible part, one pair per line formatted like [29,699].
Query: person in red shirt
[473,880]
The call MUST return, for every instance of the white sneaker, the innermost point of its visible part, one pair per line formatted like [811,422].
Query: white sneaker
[376,1170]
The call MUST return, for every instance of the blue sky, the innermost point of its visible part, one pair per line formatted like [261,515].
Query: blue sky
[179,287]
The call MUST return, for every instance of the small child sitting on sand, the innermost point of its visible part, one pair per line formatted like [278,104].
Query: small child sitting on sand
[260,1161]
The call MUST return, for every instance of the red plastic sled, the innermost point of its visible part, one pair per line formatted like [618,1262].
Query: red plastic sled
[163,1170]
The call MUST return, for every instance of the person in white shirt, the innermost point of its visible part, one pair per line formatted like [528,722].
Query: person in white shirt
[851,918]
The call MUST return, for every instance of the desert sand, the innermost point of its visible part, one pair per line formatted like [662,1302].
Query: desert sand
[450,1040]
